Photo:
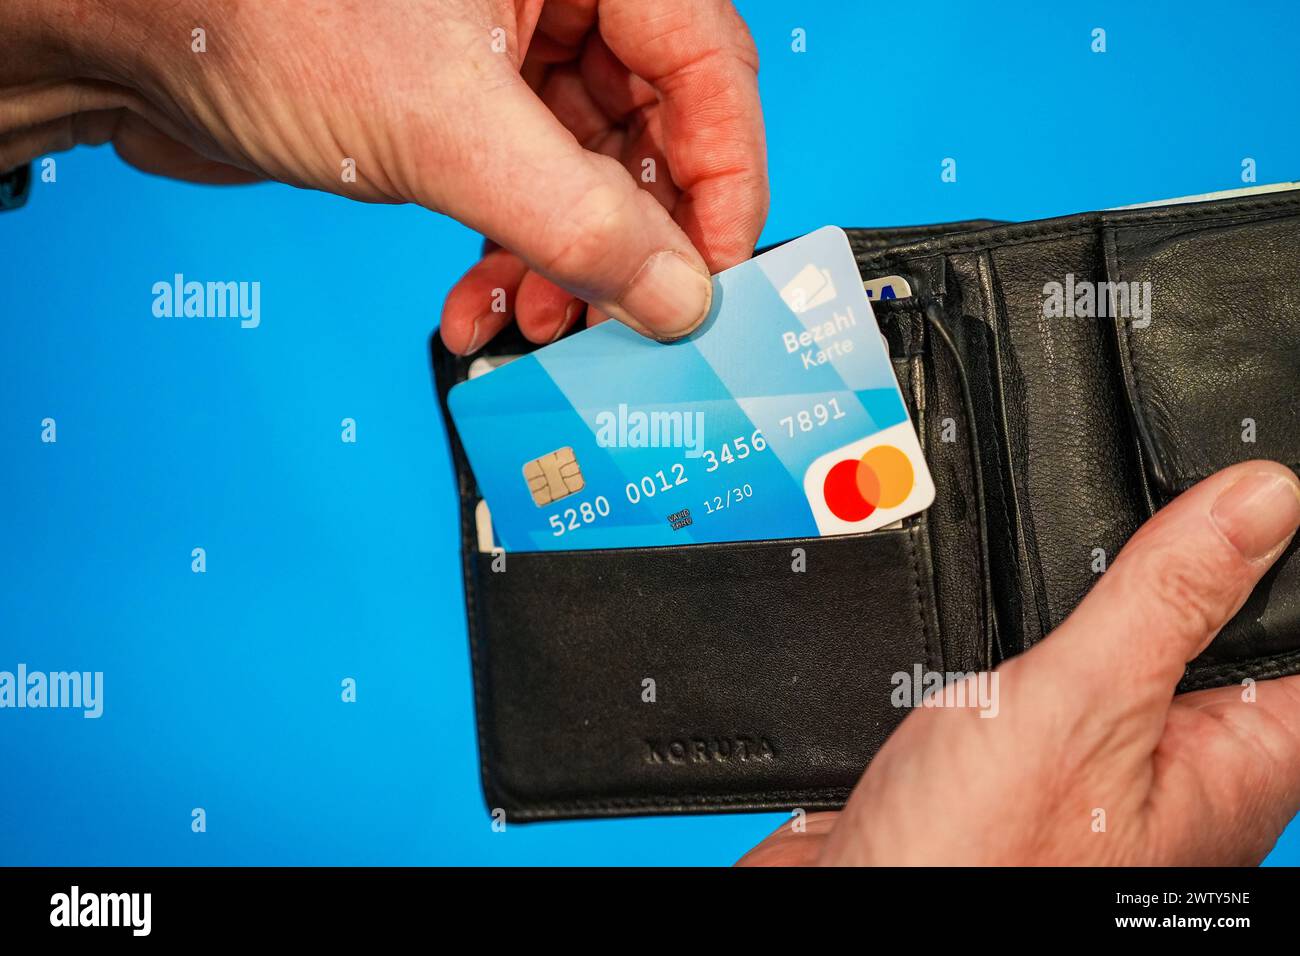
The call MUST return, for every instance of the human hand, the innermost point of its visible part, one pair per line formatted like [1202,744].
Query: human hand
[536,123]
[1088,728]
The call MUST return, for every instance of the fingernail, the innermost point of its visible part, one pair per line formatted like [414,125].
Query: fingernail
[570,313]
[1258,513]
[473,338]
[667,296]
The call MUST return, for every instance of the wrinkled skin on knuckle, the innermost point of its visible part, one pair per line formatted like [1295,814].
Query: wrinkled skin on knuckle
[1177,589]
[1268,771]
[278,91]
[588,234]
[744,47]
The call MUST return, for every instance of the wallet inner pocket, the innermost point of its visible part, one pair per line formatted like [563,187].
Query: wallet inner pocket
[742,676]
[1211,365]
[1212,358]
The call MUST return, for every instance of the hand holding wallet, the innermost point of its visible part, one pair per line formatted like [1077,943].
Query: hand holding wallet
[1097,760]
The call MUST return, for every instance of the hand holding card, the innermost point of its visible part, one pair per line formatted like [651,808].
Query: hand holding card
[780,417]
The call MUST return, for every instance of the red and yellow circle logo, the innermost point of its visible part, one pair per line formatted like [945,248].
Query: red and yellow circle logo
[882,478]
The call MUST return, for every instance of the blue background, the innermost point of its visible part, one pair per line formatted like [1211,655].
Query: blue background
[328,560]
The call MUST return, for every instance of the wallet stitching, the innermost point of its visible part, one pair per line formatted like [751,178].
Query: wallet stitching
[1030,233]
[1277,665]
[931,662]
[1188,478]
[757,797]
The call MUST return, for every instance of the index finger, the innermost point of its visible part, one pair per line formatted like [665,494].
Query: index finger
[700,59]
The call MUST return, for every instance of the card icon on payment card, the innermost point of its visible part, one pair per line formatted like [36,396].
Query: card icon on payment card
[807,290]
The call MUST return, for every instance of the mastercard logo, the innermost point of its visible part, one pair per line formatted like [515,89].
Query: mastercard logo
[881,478]
[869,483]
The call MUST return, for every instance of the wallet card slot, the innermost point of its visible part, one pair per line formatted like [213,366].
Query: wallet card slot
[773,662]
[1063,487]
[937,382]
[905,369]
[740,676]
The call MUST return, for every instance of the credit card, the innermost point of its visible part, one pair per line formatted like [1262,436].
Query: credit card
[780,417]
[887,287]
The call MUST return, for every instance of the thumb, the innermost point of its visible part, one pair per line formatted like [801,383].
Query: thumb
[574,216]
[1175,584]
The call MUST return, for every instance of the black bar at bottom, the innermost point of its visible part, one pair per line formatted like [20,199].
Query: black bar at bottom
[334,904]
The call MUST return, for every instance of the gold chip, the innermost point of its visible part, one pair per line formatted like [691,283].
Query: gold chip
[553,476]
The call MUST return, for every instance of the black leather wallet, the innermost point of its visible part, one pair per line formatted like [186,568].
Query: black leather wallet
[1050,437]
